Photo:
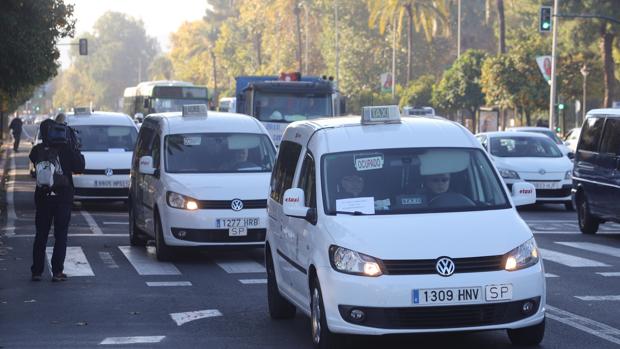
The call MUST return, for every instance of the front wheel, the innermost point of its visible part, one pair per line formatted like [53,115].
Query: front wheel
[588,224]
[136,236]
[163,252]
[531,335]
[279,307]
[322,337]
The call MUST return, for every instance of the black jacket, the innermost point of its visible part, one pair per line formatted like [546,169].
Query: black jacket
[71,161]
[16,126]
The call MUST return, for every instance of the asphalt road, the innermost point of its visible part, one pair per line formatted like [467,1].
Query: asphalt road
[122,297]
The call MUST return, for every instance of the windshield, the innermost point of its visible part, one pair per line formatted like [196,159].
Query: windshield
[218,153]
[164,105]
[280,107]
[106,138]
[549,134]
[523,147]
[410,180]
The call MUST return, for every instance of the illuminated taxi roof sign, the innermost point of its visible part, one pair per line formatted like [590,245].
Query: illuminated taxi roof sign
[81,111]
[195,110]
[384,114]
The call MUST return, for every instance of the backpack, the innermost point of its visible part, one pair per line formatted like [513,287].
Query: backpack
[57,134]
[49,174]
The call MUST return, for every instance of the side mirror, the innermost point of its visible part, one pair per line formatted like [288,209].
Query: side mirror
[523,193]
[294,199]
[146,165]
[571,155]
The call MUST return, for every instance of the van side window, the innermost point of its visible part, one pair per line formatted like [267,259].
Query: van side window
[591,133]
[611,137]
[307,181]
[284,170]
[143,144]
[156,151]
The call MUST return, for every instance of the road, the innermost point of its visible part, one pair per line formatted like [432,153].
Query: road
[121,296]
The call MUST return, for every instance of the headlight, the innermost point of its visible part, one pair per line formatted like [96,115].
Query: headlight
[181,201]
[351,262]
[523,256]
[508,174]
[568,175]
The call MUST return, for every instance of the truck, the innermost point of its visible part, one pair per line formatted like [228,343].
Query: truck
[279,100]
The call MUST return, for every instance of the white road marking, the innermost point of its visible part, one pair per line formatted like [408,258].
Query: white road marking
[612,274]
[107,259]
[592,327]
[119,223]
[588,246]
[569,260]
[167,283]
[76,263]
[10,201]
[599,298]
[131,340]
[91,222]
[549,275]
[240,266]
[76,235]
[253,281]
[146,264]
[183,318]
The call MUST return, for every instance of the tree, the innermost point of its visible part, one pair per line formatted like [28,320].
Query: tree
[161,69]
[419,93]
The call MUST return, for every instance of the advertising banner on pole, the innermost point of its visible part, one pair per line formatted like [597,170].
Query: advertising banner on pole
[544,64]
[386,82]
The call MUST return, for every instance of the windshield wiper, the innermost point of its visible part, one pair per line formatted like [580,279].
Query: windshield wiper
[353,213]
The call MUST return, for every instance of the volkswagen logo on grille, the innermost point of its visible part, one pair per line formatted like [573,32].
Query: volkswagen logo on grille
[109,172]
[236,205]
[445,266]
[542,171]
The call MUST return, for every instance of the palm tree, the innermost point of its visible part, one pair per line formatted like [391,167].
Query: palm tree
[422,15]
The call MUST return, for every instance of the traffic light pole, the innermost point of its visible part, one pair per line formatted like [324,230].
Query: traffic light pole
[552,94]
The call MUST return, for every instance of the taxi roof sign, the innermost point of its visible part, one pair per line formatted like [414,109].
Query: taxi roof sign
[81,111]
[195,110]
[383,114]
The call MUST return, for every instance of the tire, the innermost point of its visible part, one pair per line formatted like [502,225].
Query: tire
[569,206]
[163,252]
[279,307]
[136,236]
[322,337]
[531,335]
[588,224]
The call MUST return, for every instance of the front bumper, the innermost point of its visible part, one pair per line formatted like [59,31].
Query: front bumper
[388,300]
[101,187]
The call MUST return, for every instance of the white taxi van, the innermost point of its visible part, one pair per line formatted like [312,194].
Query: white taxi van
[199,179]
[107,142]
[382,225]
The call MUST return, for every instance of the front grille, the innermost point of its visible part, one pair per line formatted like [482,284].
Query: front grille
[90,171]
[427,266]
[219,235]
[225,204]
[454,316]
[103,192]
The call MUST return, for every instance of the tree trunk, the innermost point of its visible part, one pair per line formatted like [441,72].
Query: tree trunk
[298,23]
[502,27]
[528,118]
[214,77]
[409,42]
[608,64]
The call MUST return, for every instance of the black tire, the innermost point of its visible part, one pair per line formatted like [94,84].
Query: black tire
[322,337]
[588,224]
[136,235]
[163,252]
[279,307]
[569,206]
[531,335]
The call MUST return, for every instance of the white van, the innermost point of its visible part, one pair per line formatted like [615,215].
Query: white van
[107,143]
[379,225]
[228,104]
[199,179]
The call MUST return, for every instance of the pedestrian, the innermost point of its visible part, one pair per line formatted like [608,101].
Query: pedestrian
[16,128]
[59,159]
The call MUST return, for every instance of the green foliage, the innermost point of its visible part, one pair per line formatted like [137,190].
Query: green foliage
[419,93]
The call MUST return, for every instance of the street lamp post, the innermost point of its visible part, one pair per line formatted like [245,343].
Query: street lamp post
[584,71]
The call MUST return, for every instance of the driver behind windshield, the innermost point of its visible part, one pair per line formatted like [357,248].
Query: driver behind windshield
[436,184]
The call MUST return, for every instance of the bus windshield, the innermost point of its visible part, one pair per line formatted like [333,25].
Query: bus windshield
[289,107]
[163,105]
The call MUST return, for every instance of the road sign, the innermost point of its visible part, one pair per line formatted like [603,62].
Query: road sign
[544,64]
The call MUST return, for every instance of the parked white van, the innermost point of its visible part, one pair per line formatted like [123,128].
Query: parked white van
[382,225]
[199,179]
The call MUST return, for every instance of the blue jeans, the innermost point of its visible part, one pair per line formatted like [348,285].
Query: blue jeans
[50,209]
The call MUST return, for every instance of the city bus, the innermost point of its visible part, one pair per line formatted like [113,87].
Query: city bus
[162,96]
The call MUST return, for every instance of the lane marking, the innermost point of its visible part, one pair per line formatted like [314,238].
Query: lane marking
[76,263]
[599,298]
[253,281]
[569,260]
[108,260]
[131,340]
[120,223]
[240,266]
[76,235]
[91,222]
[549,275]
[612,274]
[168,283]
[183,318]
[588,246]
[600,232]
[146,264]
[592,327]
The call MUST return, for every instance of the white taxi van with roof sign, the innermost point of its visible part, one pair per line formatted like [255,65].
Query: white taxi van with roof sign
[382,225]
[199,179]
[107,143]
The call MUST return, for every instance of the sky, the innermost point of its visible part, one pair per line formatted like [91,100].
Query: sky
[160,17]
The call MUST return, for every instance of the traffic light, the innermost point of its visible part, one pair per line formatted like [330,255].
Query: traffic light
[558,129]
[83,47]
[561,106]
[545,19]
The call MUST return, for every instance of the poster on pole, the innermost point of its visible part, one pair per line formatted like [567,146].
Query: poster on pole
[544,64]
[386,82]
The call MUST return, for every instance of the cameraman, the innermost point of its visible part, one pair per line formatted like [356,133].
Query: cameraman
[54,205]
